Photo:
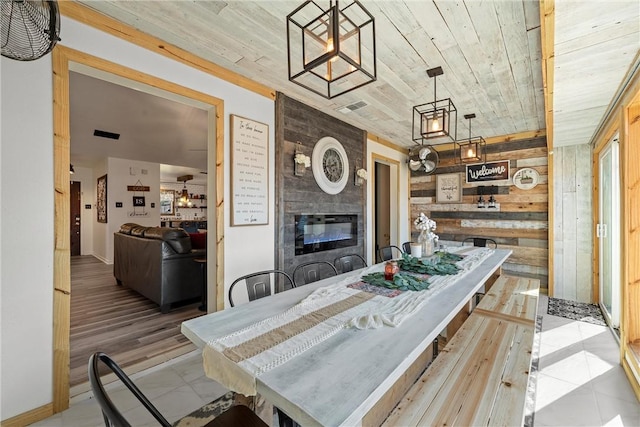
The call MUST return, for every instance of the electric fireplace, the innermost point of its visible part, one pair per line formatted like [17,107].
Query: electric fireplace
[323,232]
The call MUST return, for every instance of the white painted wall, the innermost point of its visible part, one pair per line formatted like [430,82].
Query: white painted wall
[403,231]
[27,233]
[26,227]
[87,216]
[120,174]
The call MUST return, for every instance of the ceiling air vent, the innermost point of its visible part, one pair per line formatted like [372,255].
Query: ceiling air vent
[105,134]
[352,107]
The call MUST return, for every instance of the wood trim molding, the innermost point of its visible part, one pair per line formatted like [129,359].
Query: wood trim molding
[391,162]
[29,417]
[62,57]
[547,36]
[61,250]
[386,143]
[81,13]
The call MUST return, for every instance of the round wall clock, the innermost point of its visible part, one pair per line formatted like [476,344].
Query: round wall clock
[330,165]
[526,178]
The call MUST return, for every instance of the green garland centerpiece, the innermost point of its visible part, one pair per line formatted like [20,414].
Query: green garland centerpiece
[401,281]
[442,265]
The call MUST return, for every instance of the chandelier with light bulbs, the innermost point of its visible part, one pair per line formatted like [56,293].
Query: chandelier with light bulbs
[435,121]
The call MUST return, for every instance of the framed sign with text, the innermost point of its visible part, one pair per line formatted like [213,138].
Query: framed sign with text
[448,188]
[489,171]
[249,172]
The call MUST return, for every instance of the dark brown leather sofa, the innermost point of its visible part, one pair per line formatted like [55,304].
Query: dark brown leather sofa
[157,262]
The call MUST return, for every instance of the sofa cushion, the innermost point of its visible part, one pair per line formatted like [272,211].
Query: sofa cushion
[138,230]
[126,228]
[177,238]
[198,240]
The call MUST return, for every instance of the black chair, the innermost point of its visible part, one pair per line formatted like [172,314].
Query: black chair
[406,248]
[234,416]
[386,253]
[481,242]
[310,272]
[349,262]
[259,284]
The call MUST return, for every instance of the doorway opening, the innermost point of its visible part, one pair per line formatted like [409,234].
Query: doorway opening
[608,234]
[386,190]
[67,61]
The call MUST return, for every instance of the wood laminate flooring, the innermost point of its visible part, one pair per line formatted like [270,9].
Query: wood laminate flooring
[120,322]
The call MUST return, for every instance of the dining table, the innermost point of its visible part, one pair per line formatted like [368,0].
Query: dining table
[343,376]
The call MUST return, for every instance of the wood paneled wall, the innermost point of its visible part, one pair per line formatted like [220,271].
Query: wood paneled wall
[520,222]
[572,223]
[297,122]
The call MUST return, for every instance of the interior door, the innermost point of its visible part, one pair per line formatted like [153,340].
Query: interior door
[608,233]
[74,220]
[382,207]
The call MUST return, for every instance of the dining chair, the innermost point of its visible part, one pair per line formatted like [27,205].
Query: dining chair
[259,284]
[310,272]
[481,242]
[406,248]
[349,262]
[386,253]
[211,415]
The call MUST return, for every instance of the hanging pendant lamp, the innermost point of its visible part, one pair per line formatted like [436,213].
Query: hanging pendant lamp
[433,120]
[331,51]
[471,150]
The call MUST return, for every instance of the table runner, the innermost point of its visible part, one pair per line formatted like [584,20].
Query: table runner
[237,359]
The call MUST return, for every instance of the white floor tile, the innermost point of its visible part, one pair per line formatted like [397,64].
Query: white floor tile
[615,411]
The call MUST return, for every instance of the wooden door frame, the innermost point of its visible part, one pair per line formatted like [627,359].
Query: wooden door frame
[62,57]
[378,158]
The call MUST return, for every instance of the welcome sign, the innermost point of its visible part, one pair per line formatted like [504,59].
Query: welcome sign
[490,171]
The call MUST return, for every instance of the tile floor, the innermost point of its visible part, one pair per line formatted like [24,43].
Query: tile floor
[580,383]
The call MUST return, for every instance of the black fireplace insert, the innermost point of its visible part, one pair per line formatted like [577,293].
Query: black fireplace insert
[323,232]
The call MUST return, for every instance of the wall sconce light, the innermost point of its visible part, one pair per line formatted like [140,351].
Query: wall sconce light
[433,119]
[481,202]
[471,150]
[71,170]
[300,161]
[333,51]
[360,175]
[490,190]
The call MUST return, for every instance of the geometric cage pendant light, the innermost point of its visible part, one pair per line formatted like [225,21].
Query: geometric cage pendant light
[471,150]
[435,120]
[331,50]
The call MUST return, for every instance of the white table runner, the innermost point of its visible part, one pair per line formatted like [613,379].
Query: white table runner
[237,359]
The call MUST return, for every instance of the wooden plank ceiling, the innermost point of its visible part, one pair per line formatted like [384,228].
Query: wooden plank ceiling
[489,50]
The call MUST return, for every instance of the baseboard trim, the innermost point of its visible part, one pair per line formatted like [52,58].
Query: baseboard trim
[29,417]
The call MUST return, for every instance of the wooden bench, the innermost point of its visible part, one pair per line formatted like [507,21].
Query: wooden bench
[480,378]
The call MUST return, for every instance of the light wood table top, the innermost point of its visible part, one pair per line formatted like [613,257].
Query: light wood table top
[338,381]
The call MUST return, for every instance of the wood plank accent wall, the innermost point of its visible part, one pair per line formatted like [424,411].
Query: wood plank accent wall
[572,223]
[521,221]
[297,122]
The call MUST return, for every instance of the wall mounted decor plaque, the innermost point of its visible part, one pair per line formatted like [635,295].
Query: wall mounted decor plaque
[448,188]
[489,171]
[101,199]
[249,172]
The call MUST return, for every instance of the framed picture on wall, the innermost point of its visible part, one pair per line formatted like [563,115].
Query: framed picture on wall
[138,201]
[249,172]
[448,188]
[101,201]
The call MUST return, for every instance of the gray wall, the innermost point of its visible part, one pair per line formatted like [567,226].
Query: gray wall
[297,122]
